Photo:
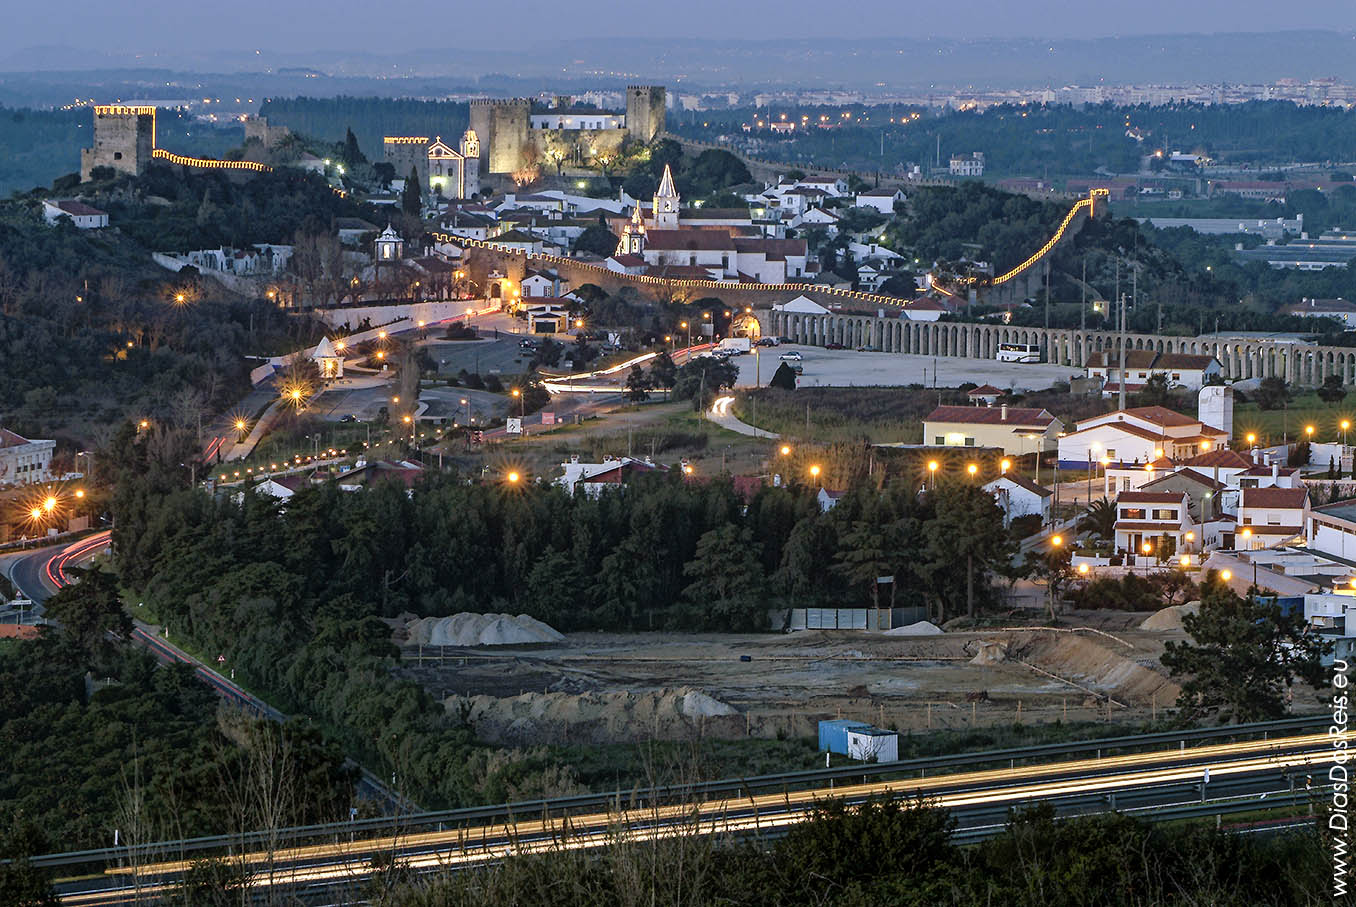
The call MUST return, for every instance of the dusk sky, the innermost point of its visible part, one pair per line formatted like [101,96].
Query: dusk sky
[385,27]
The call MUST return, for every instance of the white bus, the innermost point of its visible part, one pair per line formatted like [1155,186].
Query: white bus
[1019,352]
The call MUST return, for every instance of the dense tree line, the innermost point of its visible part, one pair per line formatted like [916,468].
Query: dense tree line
[99,738]
[370,119]
[292,596]
[1044,139]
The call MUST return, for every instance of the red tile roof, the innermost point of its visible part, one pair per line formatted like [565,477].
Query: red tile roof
[690,240]
[1280,498]
[991,415]
[1161,415]
[1149,497]
[984,390]
[1224,458]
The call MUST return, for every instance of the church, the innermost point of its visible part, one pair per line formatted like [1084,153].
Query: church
[443,170]
[672,246]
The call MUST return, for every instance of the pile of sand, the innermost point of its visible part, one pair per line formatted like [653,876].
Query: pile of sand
[1170,618]
[467,629]
[990,652]
[922,628]
[593,717]
[1096,667]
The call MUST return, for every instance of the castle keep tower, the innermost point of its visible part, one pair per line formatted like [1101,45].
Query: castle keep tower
[645,110]
[404,152]
[502,126]
[124,138]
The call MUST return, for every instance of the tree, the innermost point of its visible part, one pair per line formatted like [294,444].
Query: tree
[597,239]
[1332,390]
[385,172]
[21,883]
[701,378]
[1272,393]
[411,199]
[90,608]
[727,588]
[663,372]
[1244,657]
[1155,392]
[1100,519]
[784,377]
[637,385]
[351,154]
[963,542]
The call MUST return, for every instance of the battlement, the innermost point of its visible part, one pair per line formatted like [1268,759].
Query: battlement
[501,102]
[119,110]
[405,140]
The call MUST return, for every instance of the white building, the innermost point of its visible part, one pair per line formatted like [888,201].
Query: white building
[23,462]
[1268,517]
[82,215]
[971,164]
[1146,518]
[1011,429]
[1183,370]
[1338,308]
[592,478]
[883,200]
[1019,496]
[1137,436]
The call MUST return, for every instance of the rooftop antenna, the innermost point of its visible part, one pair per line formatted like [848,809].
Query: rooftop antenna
[1122,393]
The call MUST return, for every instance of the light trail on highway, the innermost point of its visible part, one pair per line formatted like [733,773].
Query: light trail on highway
[344,862]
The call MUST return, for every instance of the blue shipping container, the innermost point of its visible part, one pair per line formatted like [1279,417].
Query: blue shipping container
[833,734]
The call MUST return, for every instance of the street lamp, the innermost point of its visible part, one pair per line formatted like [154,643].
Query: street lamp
[814,472]
[513,477]
[1309,430]
[786,450]
[932,472]
[1344,424]
[522,404]
[684,324]
[1005,465]
[972,469]
[1226,575]
[1252,439]
[1247,534]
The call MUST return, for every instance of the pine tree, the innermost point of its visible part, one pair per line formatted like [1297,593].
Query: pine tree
[411,199]
[352,154]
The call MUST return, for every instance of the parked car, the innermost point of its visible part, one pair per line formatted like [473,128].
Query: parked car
[793,356]
[834,346]
[349,418]
[770,341]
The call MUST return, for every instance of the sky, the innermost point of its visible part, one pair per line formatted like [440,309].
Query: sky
[384,27]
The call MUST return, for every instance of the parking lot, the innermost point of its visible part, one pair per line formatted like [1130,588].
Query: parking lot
[849,368]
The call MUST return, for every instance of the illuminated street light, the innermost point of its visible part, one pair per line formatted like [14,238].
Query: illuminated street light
[972,469]
[1252,438]
[1226,575]
[786,450]
[513,477]
[814,471]
[49,504]
[1005,465]
[1057,540]
[80,493]
[1083,569]
[1309,430]
[35,513]
[1146,547]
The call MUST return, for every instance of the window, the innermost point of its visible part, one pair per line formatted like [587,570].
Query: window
[1132,513]
[1125,484]
[1273,519]
[1110,453]
[1247,520]
[969,442]
[1165,514]
[1247,483]
[941,441]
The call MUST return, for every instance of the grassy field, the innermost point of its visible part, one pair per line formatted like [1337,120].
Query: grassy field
[1276,425]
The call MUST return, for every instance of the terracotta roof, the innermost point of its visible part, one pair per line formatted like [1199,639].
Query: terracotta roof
[18,631]
[690,240]
[1133,359]
[1023,482]
[629,261]
[1223,458]
[1161,415]
[1149,497]
[76,208]
[1126,427]
[1192,476]
[984,390]
[990,415]
[1183,361]
[1266,471]
[1280,498]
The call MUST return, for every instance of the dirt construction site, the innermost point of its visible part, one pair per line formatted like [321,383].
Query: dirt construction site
[623,687]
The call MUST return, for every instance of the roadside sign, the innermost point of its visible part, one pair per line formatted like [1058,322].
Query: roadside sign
[514,426]
[221,659]
[548,418]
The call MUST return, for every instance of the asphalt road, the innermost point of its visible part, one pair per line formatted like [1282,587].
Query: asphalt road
[1241,776]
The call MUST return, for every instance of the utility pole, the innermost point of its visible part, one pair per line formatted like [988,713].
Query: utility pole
[1083,300]
[1122,394]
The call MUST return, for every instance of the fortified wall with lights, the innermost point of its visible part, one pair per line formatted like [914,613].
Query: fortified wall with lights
[124,139]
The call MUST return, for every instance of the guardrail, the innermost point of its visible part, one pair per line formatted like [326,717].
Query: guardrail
[730,788]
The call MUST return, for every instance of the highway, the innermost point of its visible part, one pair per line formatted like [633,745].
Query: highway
[1243,777]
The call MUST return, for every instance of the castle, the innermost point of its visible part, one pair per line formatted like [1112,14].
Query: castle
[514,136]
[124,139]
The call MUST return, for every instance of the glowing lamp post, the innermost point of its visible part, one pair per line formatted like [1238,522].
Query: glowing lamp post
[932,472]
